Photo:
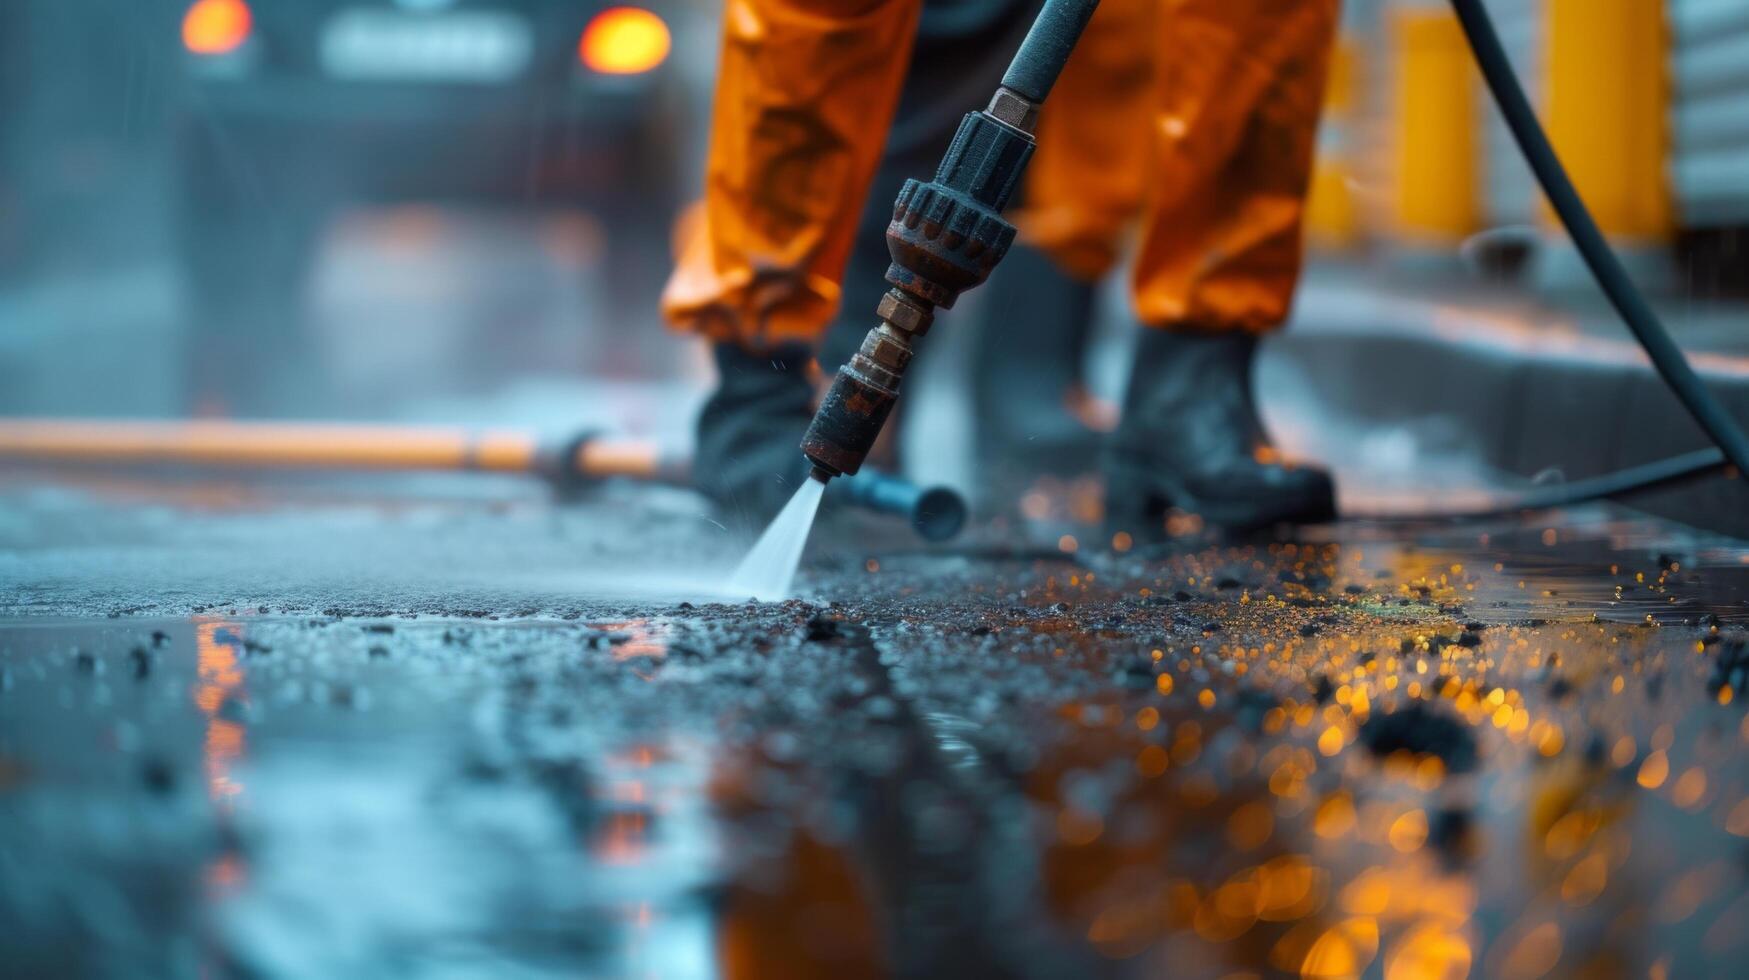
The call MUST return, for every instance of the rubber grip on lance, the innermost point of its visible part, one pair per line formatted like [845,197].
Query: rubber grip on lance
[1047,46]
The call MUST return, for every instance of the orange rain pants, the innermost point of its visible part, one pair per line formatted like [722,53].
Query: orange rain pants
[1196,116]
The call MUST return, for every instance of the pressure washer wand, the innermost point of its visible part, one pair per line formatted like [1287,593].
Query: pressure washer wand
[946,236]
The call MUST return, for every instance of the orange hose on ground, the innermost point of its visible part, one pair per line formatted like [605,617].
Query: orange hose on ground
[631,458]
[300,445]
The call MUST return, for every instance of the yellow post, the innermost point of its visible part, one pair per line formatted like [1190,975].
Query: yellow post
[1332,215]
[1606,110]
[1435,124]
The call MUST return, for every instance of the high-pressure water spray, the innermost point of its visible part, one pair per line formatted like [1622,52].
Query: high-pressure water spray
[946,235]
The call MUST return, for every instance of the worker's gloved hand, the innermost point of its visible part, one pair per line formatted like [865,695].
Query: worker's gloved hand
[1190,438]
[749,459]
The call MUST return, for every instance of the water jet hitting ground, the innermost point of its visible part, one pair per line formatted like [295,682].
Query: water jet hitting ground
[768,570]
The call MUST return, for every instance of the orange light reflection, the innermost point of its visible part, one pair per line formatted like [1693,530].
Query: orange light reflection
[219,677]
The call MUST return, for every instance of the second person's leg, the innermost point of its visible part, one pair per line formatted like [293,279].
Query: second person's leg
[1082,194]
[1242,86]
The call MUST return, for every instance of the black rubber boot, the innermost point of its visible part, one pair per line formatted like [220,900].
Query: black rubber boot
[1034,326]
[748,459]
[1189,439]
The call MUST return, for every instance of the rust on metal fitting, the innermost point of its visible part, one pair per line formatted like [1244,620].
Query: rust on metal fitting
[904,314]
[887,348]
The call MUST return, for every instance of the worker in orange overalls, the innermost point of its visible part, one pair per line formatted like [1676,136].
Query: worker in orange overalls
[1191,120]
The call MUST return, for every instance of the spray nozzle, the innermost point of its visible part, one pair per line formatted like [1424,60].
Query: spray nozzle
[946,235]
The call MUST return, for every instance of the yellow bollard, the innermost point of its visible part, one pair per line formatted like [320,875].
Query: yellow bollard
[1436,124]
[1607,111]
[1332,214]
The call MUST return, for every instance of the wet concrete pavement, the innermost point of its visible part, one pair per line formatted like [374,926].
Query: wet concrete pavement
[448,729]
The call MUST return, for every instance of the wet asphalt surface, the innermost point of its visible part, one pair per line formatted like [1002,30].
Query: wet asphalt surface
[367,729]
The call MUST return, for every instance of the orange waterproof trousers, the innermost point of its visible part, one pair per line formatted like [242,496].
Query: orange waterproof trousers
[1195,117]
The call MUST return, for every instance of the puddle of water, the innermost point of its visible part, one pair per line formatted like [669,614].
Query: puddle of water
[349,799]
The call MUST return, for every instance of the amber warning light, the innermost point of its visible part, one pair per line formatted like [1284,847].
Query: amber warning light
[216,26]
[624,41]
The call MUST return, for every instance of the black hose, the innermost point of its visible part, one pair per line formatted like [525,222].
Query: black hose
[1634,479]
[1646,476]
[1046,49]
[1731,447]
[1666,357]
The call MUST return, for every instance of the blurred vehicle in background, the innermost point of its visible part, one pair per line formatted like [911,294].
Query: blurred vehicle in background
[295,109]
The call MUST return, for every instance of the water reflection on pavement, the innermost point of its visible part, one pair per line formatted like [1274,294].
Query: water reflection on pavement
[1402,753]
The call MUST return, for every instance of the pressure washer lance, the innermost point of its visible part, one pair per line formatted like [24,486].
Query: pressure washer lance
[945,237]
[570,465]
